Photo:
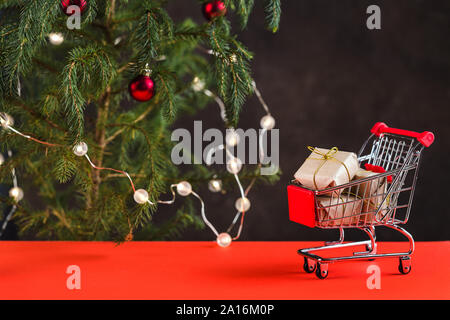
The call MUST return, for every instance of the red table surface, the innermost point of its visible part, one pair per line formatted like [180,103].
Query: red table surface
[202,270]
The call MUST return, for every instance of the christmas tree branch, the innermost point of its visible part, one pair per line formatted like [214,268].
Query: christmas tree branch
[36,19]
[84,65]
[76,91]
[273,13]
[139,118]
[44,65]
[100,132]
[111,7]
[35,114]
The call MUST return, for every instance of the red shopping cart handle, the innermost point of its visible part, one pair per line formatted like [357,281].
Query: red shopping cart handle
[426,138]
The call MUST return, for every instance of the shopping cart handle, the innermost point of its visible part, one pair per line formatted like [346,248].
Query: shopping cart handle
[426,138]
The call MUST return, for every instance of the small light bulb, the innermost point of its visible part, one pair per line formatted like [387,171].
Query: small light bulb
[233,58]
[224,240]
[215,185]
[16,193]
[198,84]
[80,149]
[234,165]
[140,196]
[6,120]
[232,138]
[117,40]
[56,38]
[242,204]
[267,122]
[2,159]
[184,188]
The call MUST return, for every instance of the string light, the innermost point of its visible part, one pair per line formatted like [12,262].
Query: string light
[267,122]
[80,149]
[215,185]
[197,84]
[56,38]
[232,138]
[6,120]
[16,193]
[234,164]
[14,207]
[118,40]
[224,240]
[183,188]
[141,196]
[2,159]
[242,204]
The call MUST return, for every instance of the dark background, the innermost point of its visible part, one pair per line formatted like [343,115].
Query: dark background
[327,79]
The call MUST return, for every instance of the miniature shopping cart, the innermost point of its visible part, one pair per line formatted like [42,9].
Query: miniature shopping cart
[396,155]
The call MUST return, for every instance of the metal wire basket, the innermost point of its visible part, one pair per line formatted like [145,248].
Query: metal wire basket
[383,199]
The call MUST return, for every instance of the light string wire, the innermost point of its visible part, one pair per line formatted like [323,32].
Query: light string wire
[6,124]
[14,207]
[114,170]
[13,172]
[172,186]
[198,85]
[205,219]
[260,98]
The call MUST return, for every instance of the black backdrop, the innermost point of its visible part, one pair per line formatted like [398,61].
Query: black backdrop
[327,80]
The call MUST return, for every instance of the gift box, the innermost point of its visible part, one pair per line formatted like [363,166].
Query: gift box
[343,210]
[367,189]
[372,194]
[372,204]
[326,168]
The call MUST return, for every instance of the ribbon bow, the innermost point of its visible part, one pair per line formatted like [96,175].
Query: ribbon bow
[326,156]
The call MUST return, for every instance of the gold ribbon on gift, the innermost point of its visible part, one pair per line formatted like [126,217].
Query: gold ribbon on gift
[326,156]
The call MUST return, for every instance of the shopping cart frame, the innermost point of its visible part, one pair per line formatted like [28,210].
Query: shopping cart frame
[400,164]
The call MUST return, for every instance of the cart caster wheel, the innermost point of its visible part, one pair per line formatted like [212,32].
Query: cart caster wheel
[309,265]
[404,266]
[322,270]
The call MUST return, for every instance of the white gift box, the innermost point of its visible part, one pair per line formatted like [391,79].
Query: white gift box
[326,168]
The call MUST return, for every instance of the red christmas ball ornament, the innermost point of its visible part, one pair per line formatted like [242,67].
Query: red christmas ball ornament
[142,88]
[82,4]
[213,9]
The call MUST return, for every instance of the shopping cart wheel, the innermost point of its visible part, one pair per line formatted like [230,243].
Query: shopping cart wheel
[322,270]
[309,265]
[404,265]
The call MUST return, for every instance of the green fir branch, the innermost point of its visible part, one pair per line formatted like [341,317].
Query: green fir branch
[77,92]
[273,14]
[36,20]
[84,65]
